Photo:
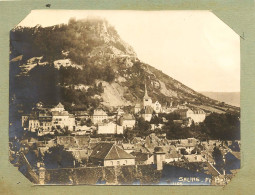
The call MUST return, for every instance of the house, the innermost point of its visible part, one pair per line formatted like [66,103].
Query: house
[143,158]
[70,142]
[83,130]
[186,146]
[157,107]
[109,128]
[33,124]
[173,156]
[127,147]
[61,119]
[120,113]
[58,108]
[80,116]
[184,113]
[195,158]
[127,121]
[137,108]
[108,154]
[99,116]
[24,120]
[147,113]
[43,119]
[136,140]
[197,115]
[156,126]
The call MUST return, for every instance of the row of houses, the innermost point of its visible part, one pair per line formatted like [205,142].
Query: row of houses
[45,119]
[110,154]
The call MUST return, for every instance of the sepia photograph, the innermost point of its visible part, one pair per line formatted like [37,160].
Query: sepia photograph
[102,97]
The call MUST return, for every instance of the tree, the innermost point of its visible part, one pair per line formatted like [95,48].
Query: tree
[58,157]
[109,74]
[223,126]
[156,120]
[100,88]
[143,125]
[218,157]
[89,122]
[184,152]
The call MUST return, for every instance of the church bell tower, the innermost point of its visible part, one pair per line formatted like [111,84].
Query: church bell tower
[147,101]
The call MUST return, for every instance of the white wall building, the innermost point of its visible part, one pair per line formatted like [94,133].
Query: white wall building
[99,116]
[127,121]
[108,154]
[109,128]
[197,115]
[157,107]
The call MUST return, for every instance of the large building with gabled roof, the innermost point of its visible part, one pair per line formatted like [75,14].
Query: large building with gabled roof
[108,154]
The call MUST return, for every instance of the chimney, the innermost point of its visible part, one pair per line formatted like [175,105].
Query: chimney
[41,175]
[159,158]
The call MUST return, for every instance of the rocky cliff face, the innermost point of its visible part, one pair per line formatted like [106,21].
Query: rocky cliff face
[93,47]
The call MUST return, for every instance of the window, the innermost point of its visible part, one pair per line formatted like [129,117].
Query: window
[118,162]
[126,162]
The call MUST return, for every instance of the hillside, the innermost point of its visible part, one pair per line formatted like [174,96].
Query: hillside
[85,64]
[232,98]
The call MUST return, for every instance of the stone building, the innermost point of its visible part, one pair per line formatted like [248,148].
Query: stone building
[108,154]
[127,121]
[43,120]
[109,128]
[197,115]
[99,116]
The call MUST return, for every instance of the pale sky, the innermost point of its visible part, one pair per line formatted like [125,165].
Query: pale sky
[194,47]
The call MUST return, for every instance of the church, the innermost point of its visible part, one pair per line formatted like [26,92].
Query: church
[148,108]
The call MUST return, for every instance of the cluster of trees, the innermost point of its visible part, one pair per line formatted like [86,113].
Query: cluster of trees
[58,157]
[75,39]
[223,126]
[48,84]
[87,75]
[78,37]
[216,126]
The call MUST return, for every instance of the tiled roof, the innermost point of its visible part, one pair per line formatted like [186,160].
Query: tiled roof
[139,156]
[182,110]
[109,151]
[59,105]
[99,112]
[128,146]
[198,111]
[80,113]
[56,113]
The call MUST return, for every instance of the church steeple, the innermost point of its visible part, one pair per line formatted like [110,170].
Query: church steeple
[147,101]
[145,92]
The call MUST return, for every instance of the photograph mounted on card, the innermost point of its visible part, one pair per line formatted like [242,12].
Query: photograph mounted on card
[124,98]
